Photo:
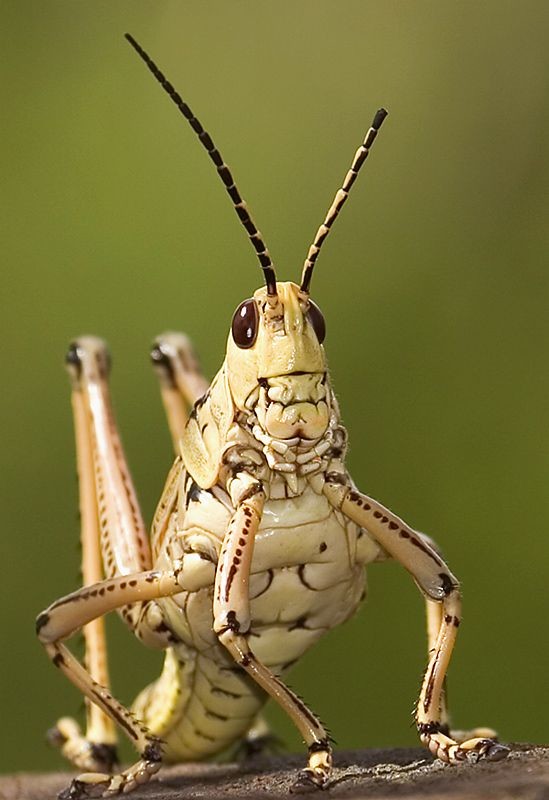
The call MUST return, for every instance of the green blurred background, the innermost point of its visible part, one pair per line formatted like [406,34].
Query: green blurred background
[434,284]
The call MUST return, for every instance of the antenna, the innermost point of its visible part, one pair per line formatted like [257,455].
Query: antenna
[342,194]
[223,170]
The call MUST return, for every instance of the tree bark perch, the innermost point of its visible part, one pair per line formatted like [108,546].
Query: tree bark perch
[372,774]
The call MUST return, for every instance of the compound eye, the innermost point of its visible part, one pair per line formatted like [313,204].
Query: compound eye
[316,318]
[245,324]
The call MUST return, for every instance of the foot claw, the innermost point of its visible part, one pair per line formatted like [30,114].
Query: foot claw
[79,789]
[493,751]
[308,781]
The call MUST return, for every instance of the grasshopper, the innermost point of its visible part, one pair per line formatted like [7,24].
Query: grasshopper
[258,544]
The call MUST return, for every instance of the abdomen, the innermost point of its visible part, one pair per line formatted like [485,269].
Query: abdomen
[307,577]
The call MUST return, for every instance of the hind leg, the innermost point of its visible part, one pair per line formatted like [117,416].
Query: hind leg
[96,749]
[181,380]
[100,465]
[113,536]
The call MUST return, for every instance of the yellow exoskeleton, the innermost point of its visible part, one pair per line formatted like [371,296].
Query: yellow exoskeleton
[258,544]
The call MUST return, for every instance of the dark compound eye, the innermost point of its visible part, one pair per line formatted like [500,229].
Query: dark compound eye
[245,324]
[316,319]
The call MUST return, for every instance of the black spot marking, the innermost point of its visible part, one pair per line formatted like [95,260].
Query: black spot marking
[446,583]
[41,620]
[58,659]
[201,400]
[251,492]
[160,359]
[430,683]
[193,493]
[424,549]
[152,752]
[336,477]
[230,578]
[232,623]
[161,627]
[318,747]
[72,359]
[70,598]
[427,728]
[323,547]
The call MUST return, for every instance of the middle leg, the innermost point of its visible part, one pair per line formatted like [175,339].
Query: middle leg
[61,620]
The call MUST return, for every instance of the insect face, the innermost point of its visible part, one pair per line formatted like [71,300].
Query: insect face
[276,363]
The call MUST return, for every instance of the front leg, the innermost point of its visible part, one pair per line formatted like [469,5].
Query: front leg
[232,623]
[439,585]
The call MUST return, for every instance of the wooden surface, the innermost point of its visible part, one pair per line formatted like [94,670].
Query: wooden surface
[368,774]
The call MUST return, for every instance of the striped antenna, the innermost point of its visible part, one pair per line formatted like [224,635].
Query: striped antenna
[342,194]
[223,170]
